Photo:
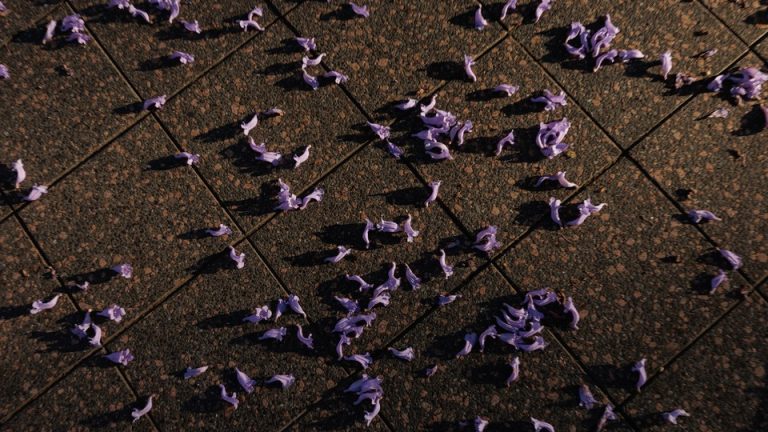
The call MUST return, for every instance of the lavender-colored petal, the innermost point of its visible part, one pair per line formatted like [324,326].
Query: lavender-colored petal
[544,6]
[364,360]
[120,357]
[336,76]
[586,399]
[411,277]
[285,381]
[515,374]
[343,340]
[550,100]
[425,109]
[443,300]
[387,226]
[222,230]
[4,73]
[359,10]
[509,89]
[301,158]
[428,372]
[406,354]
[434,190]
[154,103]
[470,339]
[408,104]
[277,334]
[262,314]
[539,425]
[719,113]
[182,57]
[554,211]
[193,372]
[468,63]
[308,61]
[363,285]
[368,227]
[342,252]
[245,381]
[256,11]
[350,305]
[35,193]
[442,152]
[480,424]
[95,341]
[381,131]
[246,24]
[608,56]
[717,281]
[239,259]
[447,269]
[310,80]
[380,299]
[79,38]
[73,23]
[114,313]
[191,26]
[642,376]
[698,216]
[508,140]
[138,413]
[124,270]
[190,158]
[666,64]
[608,414]
[672,416]
[175,10]
[508,6]
[293,303]
[465,128]
[317,195]
[135,12]
[490,332]
[307,43]
[480,22]
[408,229]
[394,150]
[50,29]
[733,259]
[632,54]
[370,415]
[248,126]
[570,309]
[230,399]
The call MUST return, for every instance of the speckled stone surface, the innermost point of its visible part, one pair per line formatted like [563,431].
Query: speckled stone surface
[402,49]
[465,388]
[266,73]
[629,99]
[620,268]
[748,18]
[21,16]
[41,340]
[57,119]
[296,245]
[482,189]
[148,211]
[730,154]
[90,398]
[200,327]
[141,50]
[720,382]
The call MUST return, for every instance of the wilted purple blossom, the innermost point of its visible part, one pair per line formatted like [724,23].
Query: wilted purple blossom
[264,155]
[447,269]
[508,6]
[554,211]
[719,113]
[408,229]
[277,334]
[406,354]
[508,140]
[408,104]
[136,12]
[490,332]
[307,43]
[308,61]
[570,309]
[608,415]
[222,230]
[733,259]
[36,192]
[124,270]
[310,80]
[189,158]
[540,425]
[370,415]
[480,424]
[293,303]
[443,300]
[336,76]
[672,416]
[230,399]
[191,26]
[246,24]
[468,63]
[697,216]
[285,381]
[360,10]
[378,299]
[343,340]
[666,64]
[470,339]
[632,54]
[425,109]
[387,226]
[480,22]
[585,210]
[411,277]
[608,56]
[273,112]
[442,150]
[551,100]
[364,360]
[466,127]
[120,357]
[544,6]
[193,372]
[182,57]
[262,314]
[342,252]
[156,102]
[550,137]
[4,73]
[238,258]
[717,281]
[559,178]
[515,374]
[507,89]
[586,398]
[434,190]
[317,195]
[348,304]
[380,130]
[245,381]
[301,158]
[79,38]
[114,313]
[363,285]
[138,413]
[428,372]
[642,376]
[50,29]
[73,23]
[40,305]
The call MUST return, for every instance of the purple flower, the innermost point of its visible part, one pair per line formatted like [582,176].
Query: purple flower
[428,372]
[97,333]
[733,259]
[697,216]
[120,357]
[577,30]
[316,195]
[632,54]
[309,79]
[80,330]
[182,57]
[460,131]
[387,226]
[350,305]
[607,415]
[191,159]
[273,112]
[443,300]
[293,303]
[666,64]
[490,332]
[248,126]
[239,259]
[120,4]
[554,211]
[509,139]
[285,381]
[363,285]
[307,43]
[368,227]
[277,334]
[343,340]
[365,360]
[559,178]
[262,314]
[222,230]
[246,24]
[570,309]
[586,399]
[425,109]
[480,424]
[80,38]
[36,192]
[470,339]
[408,104]
[4,73]
[230,399]
[191,26]
[307,61]
[359,10]
[342,252]
[256,11]
[551,100]
[671,416]
[381,131]
[719,113]
[515,375]
[154,103]
[509,5]
[609,56]
[114,313]
[380,299]
[175,8]
[336,76]
[264,155]
[480,22]
[50,28]
[411,277]
[544,6]
[447,269]
[538,344]
[550,137]
[193,372]
[407,354]
[135,12]
[123,270]
[408,229]
[370,415]
[138,413]
[434,189]
[73,23]
[717,281]
[642,376]
[506,88]
[245,381]
[394,150]
[539,425]
[468,63]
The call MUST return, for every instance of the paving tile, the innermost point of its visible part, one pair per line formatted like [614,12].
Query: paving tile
[336,412]
[638,275]
[141,50]
[89,398]
[20,14]
[547,388]
[403,48]
[630,99]
[201,326]
[370,185]
[206,119]
[746,17]
[711,153]
[762,49]
[131,203]
[34,346]
[54,120]
[730,362]
[481,189]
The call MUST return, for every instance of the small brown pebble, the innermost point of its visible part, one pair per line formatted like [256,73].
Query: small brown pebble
[601,189]
[25,273]
[570,154]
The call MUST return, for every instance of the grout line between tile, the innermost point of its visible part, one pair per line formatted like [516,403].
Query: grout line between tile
[720,20]
[135,394]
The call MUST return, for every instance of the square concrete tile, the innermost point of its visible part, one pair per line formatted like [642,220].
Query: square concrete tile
[34,346]
[403,48]
[21,15]
[51,120]
[729,361]
[132,203]
[482,189]
[748,18]
[719,160]
[202,325]
[762,49]
[629,99]
[369,185]
[465,388]
[638,276]
[89,398]
[337,413]
[141,50]
[206,119]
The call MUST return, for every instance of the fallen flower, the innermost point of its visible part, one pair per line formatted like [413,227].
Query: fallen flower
[80,38]
[380,130]
[336,76]
[509,5]
[666,64]
[4,73]
[447,269]
[551,100]
[114,313]
[470,339]
[442,150]
[73,23]
[411,277]
[246,24]
[191,159]
[310,80]
[120,357]
[697,216]
[607,415]
[138,413]
[359,10]
[733,259]
[586,399]
[508,140]
[408,229]
[245,381]
[262,314]
[193,372]
[554,211]
[559,178]
[719,113]
[248,126]
[642,376]
[50,28]
[342,252]
[379,299]
[277,334]
[632,54]
[135,12]
[317,195]
[550,137]
[191,26]
[468,63]
[363,285]
[387,226]
[230,399]
[717,281]
[368,227]
[515,375]
[21,173]
[539,425]
[570,309]
[370,415]
[239,259]
[350,305]
[480,22]
[308,61]
[672,416]
[490,332]
[40,305]
[285,381]
[544,6]
[608,56]
[36,192]
[182,57]
[365,360]
[428,372]
[434,190]
[307,43]
[222,230]
[123,270]
[408,104]
[293,303]
[407,354]
[154,103]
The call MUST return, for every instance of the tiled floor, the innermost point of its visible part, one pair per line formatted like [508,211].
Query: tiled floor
[638,271]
